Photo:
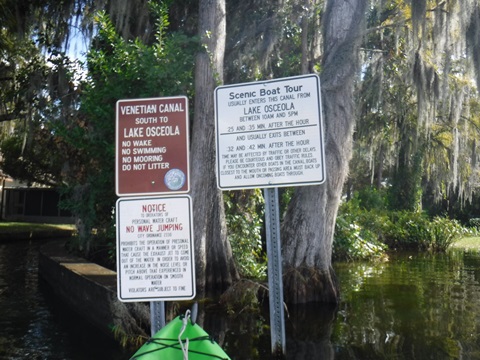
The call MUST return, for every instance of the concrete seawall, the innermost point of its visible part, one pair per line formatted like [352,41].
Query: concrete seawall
[35,234]
[91,291]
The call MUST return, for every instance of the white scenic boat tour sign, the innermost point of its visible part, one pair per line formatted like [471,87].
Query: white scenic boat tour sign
[269,133]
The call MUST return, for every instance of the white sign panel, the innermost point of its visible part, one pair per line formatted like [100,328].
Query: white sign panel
[269,133]
[155,253]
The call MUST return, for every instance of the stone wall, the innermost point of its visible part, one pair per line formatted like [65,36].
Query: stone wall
[91,291]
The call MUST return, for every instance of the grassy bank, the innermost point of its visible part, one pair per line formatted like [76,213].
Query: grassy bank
[468,243]
[23,230]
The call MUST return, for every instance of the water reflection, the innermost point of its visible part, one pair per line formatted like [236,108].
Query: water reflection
[22,323]
[415,306]
[33,325]
[309,330]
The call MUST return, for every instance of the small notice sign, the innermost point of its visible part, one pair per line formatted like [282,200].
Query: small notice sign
[270,133]
[155,253]
[152,151]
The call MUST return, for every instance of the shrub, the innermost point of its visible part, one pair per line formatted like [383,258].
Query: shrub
[244,216]
[408,231]
[352,242]
[357,233]
[474,225]
[361,233]
[443,232]
[415,231]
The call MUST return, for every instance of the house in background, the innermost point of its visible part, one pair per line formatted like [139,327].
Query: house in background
[19,202]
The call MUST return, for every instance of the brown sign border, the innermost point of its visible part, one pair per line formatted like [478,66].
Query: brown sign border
[156,160]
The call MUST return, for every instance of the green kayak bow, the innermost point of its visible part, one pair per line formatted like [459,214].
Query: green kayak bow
[180,339]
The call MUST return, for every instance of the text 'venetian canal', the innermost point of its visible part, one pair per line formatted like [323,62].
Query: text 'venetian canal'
[269,133]
[155,249]
[152,146]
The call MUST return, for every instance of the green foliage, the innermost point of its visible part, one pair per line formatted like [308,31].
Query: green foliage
[405,192]
[37,90]
[244,215]
[371,198]
[411,230]
[417,130]
[363,233]
[474,222]
[29,164]
[443,233]
[407,230]
[117,69]
[285,194]
[357,234]
[353,242]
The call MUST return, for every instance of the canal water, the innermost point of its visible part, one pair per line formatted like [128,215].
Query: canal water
[414,306]
[33,325]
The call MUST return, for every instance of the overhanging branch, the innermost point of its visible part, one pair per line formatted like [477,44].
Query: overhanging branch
[8,117]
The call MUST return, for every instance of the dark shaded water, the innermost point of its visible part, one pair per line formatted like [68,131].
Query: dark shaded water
[415,306]
[32,324]
[412,307]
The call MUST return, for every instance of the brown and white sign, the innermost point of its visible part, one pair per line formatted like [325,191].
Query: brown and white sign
[152,147]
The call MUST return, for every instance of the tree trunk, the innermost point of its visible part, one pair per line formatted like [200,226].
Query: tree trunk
[308,228]
[304,25]
[215,268]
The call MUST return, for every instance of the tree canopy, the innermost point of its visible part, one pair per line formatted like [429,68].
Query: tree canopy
[400,91]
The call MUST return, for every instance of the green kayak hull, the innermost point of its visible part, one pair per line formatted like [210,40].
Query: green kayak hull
[165,345]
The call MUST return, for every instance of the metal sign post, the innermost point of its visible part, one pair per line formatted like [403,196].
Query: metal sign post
[157,316]
[275,283]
